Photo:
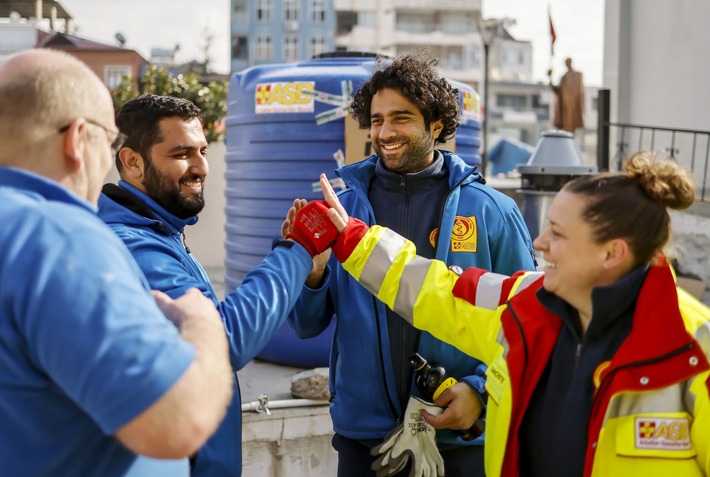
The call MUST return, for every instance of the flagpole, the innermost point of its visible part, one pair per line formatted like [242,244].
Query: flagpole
[553,37]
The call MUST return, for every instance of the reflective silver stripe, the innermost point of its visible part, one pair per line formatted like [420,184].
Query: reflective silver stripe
[380,260]
[488,290]
[702,336]
[410,286]
[689,397]
[525,282]
[503,341]
[664,400]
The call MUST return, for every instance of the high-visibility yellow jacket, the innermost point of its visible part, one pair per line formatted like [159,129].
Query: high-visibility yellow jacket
[651,407]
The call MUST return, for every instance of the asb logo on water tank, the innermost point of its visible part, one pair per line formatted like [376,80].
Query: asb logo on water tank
[284,97]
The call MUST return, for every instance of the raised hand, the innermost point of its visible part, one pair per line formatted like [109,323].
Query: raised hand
[337,213]
[315,277]
[298,204]
[312,229]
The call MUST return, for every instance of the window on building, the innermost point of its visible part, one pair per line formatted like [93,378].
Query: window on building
[474,58]
[345,21]
[264,48]
[291,10]
[516,101]
[454,59]
[240,48]
[263,10]
[415,22]
[317,11]
[317,46]
[513,57]
[240,11]
[113,75]
[290,48]
[536,102]
[457,22]
[366,19]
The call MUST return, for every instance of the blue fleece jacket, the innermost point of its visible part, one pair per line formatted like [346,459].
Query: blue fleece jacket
[251,313]
[479,227]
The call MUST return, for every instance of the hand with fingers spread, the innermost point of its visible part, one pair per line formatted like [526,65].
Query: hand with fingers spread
[351,229]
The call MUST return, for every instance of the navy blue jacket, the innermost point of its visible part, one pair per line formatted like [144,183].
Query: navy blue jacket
[480,226]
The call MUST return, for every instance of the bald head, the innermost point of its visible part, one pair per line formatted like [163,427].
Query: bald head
[40,91]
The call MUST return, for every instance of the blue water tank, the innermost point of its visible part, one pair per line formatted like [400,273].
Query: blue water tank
[286,125]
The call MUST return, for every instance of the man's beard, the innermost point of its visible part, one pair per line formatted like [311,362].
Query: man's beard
[414,158]
[170,197]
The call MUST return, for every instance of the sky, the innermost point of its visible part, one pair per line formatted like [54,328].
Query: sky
[579,27]
[149,24]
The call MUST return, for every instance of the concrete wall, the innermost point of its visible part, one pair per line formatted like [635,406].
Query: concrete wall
[206,238]
[690,242]
[289,443]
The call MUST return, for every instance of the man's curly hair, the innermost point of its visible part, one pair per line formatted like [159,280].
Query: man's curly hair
[416,78]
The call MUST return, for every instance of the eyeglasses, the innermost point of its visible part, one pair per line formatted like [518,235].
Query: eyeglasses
[116,144]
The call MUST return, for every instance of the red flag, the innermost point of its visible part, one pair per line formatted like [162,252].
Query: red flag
[553,37]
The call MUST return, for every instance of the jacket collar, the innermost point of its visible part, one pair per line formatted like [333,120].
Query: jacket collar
[658,328]
[358,175]
[143,209]
[610,304]
[47,188]
[393,181]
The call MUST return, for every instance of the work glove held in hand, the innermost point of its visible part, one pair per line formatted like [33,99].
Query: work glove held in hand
[312,228]
[414,439]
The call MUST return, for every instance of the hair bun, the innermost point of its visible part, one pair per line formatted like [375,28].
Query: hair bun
[664,180]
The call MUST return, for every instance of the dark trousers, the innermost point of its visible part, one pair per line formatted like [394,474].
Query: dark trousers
[354,459]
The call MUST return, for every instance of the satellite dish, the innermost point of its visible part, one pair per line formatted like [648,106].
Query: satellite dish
[120,38]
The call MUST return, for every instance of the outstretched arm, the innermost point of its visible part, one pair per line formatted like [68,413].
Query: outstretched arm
[417,289]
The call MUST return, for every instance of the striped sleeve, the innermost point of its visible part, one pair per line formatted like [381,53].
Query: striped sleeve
[421,291]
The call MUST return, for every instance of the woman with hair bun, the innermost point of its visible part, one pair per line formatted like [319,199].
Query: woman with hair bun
[598,364]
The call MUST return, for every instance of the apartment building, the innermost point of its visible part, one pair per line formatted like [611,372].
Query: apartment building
[280,31]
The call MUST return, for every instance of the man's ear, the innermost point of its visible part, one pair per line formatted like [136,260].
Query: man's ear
[132,161]
[436,128]
[73,145]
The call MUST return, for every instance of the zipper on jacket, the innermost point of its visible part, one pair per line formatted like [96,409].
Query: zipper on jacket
[577,356]
[392,407]
[678,351]
[184,241]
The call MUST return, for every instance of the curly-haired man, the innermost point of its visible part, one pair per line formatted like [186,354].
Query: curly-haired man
[425,194]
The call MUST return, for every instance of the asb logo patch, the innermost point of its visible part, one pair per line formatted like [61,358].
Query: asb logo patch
[464,236]
[661,433]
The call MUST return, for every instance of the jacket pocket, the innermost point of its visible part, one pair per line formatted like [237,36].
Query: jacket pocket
[657,435]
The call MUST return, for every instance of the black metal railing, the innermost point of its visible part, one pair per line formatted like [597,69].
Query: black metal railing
[689,147]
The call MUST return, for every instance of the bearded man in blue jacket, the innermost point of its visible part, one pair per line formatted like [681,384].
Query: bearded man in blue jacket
[163,167]
[435,199]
